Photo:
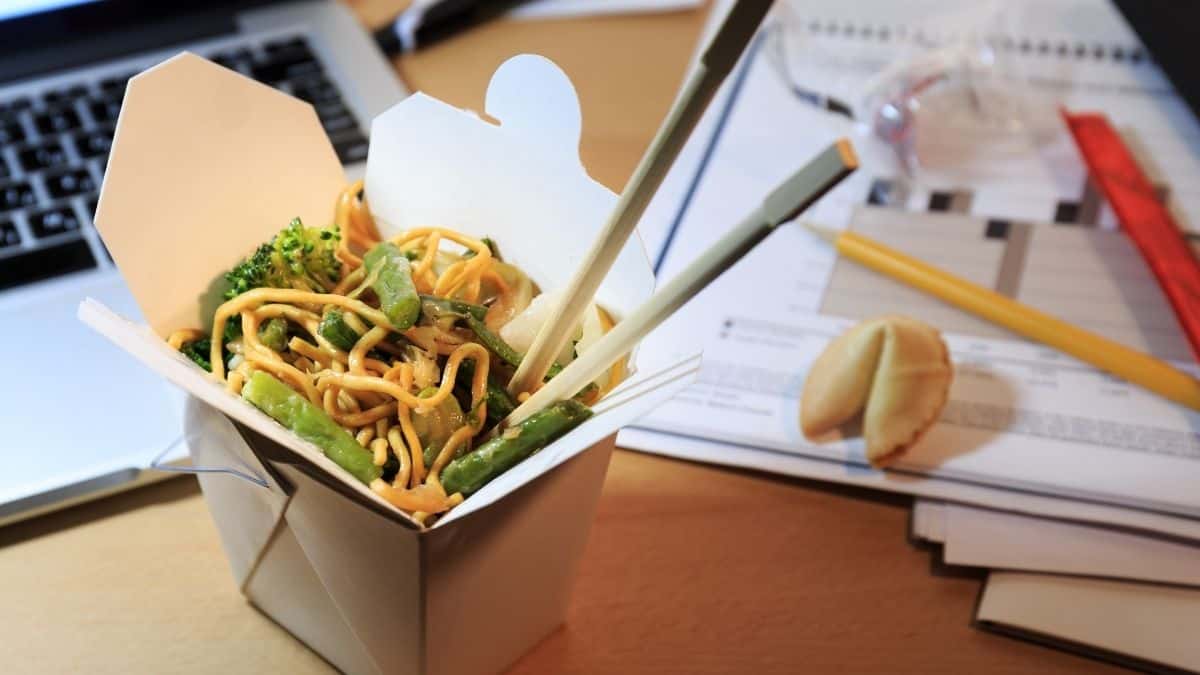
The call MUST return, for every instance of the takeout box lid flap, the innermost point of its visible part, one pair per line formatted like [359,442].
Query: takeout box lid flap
[206,165]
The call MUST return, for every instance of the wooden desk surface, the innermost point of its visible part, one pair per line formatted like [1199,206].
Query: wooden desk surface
[690,569]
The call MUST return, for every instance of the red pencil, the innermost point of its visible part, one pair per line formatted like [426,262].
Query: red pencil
[1143,217]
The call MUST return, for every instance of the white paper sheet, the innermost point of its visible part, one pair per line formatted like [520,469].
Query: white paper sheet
[986,538]
[1147,621]
[928,521]
[1023,418]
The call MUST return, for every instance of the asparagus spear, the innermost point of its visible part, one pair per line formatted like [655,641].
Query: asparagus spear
[393,283]
[311,423]
[475,469]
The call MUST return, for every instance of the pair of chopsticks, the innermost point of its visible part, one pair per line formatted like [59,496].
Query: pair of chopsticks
[782,204]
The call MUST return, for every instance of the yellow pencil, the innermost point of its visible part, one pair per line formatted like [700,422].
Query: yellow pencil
[1129,364]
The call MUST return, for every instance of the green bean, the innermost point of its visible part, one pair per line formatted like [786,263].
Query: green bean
[475,469]
[311,423]
[499,402]
[502,349]
[393,284]
[333,327]
[494,342]
[273,333]
[436,308]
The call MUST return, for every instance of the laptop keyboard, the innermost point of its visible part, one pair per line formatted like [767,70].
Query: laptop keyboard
[54,147]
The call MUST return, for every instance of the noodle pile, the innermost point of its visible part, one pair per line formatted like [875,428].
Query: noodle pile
[380,389]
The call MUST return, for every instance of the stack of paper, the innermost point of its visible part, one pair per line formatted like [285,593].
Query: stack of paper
[1099,590]
[1067,470]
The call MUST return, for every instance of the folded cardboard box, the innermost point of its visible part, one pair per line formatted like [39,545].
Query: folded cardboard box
[206,165]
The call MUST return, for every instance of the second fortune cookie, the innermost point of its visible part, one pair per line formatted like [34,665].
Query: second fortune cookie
[893,370]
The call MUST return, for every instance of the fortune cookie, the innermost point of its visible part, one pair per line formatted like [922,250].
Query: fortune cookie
[894,370]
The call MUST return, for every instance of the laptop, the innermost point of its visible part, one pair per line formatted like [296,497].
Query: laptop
[78,417]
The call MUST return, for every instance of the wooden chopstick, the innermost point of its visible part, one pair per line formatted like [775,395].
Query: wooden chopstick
[716,63]
[786,201]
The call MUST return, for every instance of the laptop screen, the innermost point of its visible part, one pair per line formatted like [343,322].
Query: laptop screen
[39,36]
[14,8]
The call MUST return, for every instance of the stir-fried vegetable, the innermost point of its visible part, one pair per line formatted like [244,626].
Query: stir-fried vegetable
[499,403]
[333,327]
[494,343]
[440,308]
[391,272]
[273,333]
[310,423]
[508,293]
[434,426]
[198,352]
[298,256]
[475,469]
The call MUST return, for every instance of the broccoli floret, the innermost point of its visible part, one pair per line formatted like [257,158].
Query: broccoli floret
[297,253]
[256,271]
[309,251]
[198,352]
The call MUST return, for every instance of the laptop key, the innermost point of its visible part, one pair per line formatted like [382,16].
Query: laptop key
[285,63]
[105,110]
[116,84]
[53,97]
[93,143]
[44,156]
[351,146]
[8,234]
[16,196]
[45,263]
[15,105]
[317,91]
[284,44]
[233,58]
[11,132]
[68,183]
[336,118]
[53,221]
[57,120]
[64,96]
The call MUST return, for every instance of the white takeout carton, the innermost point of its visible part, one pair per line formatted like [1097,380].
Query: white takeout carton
[205,165]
